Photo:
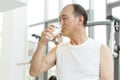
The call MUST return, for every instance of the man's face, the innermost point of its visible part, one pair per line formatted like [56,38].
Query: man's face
[68,21]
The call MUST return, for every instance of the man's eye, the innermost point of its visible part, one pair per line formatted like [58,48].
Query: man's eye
[64,18]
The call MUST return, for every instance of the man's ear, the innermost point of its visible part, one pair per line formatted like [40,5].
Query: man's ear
[81,19]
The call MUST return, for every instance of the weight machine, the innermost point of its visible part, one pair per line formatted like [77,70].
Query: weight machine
[115,44]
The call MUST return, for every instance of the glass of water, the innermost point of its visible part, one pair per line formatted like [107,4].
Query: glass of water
[57,31]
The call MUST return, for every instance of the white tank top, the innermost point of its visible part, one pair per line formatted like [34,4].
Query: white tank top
[78,62]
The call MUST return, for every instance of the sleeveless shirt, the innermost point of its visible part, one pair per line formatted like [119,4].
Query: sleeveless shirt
[78,62]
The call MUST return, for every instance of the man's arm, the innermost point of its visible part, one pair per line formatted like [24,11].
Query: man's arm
[106,64]
[40,63]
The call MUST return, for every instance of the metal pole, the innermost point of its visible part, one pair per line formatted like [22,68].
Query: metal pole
[94,23]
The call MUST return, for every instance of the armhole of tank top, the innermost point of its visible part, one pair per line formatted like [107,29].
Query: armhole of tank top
[57,51]
[99,48]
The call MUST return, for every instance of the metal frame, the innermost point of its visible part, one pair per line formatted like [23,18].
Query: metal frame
[109,8]
[91,18]
[94,23]
[115,47]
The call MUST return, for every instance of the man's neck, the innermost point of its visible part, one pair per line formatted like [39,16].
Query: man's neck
[78,39]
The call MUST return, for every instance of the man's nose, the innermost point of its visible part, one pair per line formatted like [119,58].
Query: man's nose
[61,22]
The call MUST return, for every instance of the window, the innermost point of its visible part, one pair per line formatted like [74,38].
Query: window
[52,9]
[100,15]
[84,3]
[100,33]
[99,11]
[116,12]
[35,11]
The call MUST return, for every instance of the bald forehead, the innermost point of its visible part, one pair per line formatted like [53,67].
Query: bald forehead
[67,10]
[68,7]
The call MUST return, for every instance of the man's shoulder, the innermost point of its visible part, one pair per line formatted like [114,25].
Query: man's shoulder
[94,42]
